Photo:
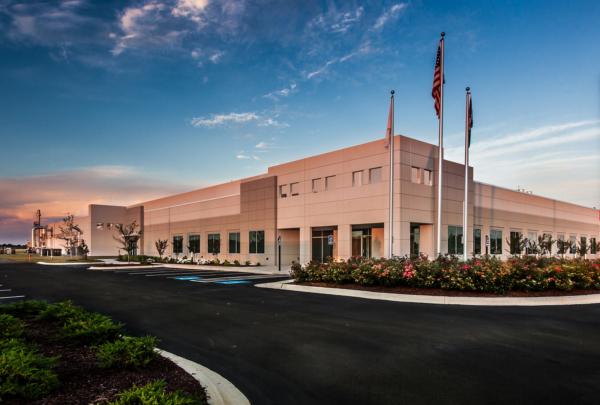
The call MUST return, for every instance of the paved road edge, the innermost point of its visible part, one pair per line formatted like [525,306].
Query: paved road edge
[219,390]
[434,299]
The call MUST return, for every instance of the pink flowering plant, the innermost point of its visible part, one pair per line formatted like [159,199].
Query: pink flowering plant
[484,274]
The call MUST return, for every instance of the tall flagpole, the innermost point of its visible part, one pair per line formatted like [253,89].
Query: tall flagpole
[391,208]
[466,201]
[440,150]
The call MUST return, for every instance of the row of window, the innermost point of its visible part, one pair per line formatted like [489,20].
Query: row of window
[256,245]
[326,183]
[456,247]
[421,176]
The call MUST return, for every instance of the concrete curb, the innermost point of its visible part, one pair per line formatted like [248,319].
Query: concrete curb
[249,269]
[435,299]
[66,264]
[121,267]
[219,390]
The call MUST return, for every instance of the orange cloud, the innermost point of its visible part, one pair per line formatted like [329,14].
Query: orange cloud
[71,192]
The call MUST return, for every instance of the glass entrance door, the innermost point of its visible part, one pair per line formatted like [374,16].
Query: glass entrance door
[323,241]
[361,242]
[415,239]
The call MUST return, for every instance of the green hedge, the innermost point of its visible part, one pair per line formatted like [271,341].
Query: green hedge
[80,325]
[24,373]
[127,352]
[155,393]
[486,274]
[10,327]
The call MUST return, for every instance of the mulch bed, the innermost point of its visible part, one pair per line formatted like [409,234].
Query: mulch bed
[451,293]
[83,382]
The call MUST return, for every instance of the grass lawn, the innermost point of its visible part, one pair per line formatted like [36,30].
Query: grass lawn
[24,257]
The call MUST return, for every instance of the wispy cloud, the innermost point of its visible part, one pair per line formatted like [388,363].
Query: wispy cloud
[337,21]
[389,14]
[192,9]
[362,50]
[285,92]
[541,159]
[236,118]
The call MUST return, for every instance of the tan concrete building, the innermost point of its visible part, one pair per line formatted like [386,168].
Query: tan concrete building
[336,205]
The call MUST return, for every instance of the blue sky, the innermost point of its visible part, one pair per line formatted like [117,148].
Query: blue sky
[123,101]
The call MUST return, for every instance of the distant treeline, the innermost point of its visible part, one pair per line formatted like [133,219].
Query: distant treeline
[11,245]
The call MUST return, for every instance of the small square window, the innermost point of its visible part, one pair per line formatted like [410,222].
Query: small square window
[295,189]
[316,185]
[415,175]
[375,175]
[357,178]
[283,191]
[427,177]
[329,182]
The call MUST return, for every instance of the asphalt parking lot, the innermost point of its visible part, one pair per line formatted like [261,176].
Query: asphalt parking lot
[281,347]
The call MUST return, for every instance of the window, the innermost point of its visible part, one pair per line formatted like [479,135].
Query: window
[177,244]
[316,185]
[515,242]
[357,178]
[375,175]
[496,241]
[455,240]
[329,182]
[415,175]
[214,243]
[560,247]
[234,242]
[573,240]
[194,243]
[531,240]
[427,177]
[477,241]
[295,189]
[257,242]
[100,225]
[593,247]
[583,245]
[283,191]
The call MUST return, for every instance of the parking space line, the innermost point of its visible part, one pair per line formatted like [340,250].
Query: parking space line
[14,296]
[193,272]
[7,290]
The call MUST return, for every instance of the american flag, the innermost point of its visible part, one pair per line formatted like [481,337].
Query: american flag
[470,120]
[436,92]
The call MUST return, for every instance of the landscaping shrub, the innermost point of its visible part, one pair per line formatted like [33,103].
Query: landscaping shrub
[91,328]
[127,352]
[80,325]
[154,393]
[10,327]
[487,274]
[24,373]
[24,309]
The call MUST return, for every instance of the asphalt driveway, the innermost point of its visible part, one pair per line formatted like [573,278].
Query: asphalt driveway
[281,347]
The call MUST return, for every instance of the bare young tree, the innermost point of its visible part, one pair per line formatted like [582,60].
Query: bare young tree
[128,237]
[70,233]
[161,246]
[583,248]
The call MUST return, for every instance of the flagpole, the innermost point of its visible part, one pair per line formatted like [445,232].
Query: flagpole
[466,201]
[391,208]
[440,150]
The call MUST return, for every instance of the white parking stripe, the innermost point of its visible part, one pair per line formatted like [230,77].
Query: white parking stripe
[193,274]
[6,290]
[14,296]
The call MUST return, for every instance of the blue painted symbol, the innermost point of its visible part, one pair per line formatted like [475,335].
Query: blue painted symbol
[233,282]
[187,278]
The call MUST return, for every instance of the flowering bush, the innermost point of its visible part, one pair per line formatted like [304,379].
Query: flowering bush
[487,274]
